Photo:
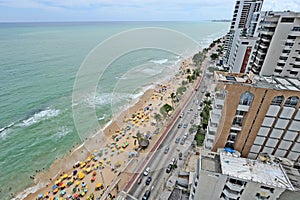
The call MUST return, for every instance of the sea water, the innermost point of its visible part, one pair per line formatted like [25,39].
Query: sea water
[39,63]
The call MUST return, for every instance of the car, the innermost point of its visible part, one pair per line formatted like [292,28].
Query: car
[147,171]
[191,109]
[185,136]
[192,121]
[140,180]
[180,156]
[185,125]
[179,125]
[173,161]
[166,150]
[199,108]
[146,195]
[181,115]
[169,168]
[148,180]
[177,140]
[182,141]
[196,114]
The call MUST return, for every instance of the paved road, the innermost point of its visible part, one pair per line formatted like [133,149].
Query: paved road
[160,160]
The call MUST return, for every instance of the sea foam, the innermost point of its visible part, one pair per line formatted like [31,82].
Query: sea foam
[40,116]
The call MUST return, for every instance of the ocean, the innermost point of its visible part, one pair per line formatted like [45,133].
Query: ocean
[39,63]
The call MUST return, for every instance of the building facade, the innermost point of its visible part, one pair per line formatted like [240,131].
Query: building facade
[223,175]
[254,114]
[277,48]
[242,16]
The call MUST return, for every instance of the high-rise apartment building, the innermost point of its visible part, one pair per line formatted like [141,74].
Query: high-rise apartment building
[277,48]
[253,114]
[242,16]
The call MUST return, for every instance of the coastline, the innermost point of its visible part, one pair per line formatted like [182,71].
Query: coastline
[82,151]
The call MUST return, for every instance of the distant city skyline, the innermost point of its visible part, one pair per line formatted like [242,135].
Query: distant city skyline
[130,10]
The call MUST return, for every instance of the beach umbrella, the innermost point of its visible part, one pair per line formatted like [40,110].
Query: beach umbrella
[94,173]
[40,196]
[95,154]
[63,192]
[81,175]
[55,191]
[77,183]
[54,187]
[83,184]
[96,159]
[93,178]
[65,176]
[74,189]
[74,172]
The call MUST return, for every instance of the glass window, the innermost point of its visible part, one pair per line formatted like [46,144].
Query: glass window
[292,101]
[277,100]
[246,98]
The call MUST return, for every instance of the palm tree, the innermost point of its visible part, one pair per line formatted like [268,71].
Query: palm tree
[157,117]
[173,96]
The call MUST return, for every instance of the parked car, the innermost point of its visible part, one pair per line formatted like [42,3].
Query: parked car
[177,140]
[185,125]
[148,180]
[140,180]
[180,156]
[166,150]
[181,115]
[146,195]
[182,141]
[179,125]
[147,171]
[169,168]
[185,136]
[192,121]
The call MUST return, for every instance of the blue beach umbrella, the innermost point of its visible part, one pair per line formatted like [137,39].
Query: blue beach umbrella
[40,195]
[54,187]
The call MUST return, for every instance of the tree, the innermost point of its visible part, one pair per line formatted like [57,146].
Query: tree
[214,56]
[165,109]
[188,71]
[207,94]
[157,117]
[181,90]
[173,96]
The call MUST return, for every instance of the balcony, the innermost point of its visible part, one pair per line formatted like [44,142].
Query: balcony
[295,33]
[236,127]
[244,108]
[219,102]
[266,32]
[263,45]
[234,187]
[264,39]
[231,194]
[261,52]
[269,24]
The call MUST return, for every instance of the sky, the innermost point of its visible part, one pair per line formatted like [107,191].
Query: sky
[127,10]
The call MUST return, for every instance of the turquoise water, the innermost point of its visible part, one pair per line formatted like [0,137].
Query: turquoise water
[39,62]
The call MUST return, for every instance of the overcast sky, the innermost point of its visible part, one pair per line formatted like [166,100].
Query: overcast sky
[127,10]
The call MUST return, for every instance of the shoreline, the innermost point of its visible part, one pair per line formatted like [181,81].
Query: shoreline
[81,152]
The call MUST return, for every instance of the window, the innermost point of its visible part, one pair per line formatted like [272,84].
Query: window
[268,188]
[277,100]
[291,37]
[245,43]
[296,28]
[246,98]
[292,101]
[289,44]
[293,73]
[287,20]
[286,51]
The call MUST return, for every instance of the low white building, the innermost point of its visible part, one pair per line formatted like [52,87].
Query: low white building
[225,175]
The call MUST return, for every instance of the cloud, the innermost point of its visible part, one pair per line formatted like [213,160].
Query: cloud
[280,5]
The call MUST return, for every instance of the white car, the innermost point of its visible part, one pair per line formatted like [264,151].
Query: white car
[147,171]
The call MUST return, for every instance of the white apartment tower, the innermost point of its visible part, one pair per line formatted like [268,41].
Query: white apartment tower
[242,16]
[277,49]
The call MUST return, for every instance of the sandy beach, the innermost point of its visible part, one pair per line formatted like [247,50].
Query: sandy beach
[112,151]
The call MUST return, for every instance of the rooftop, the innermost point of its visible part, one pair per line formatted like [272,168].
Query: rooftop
[276,83]
[271,174]
[210,161]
